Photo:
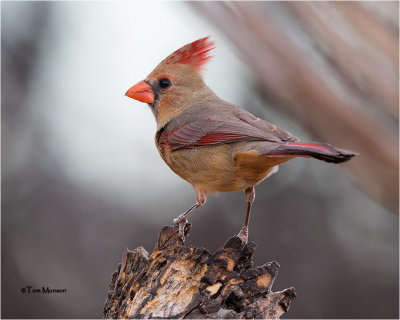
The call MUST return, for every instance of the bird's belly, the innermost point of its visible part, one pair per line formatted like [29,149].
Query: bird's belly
[219,168]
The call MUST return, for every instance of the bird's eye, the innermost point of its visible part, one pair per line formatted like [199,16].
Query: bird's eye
[164,83]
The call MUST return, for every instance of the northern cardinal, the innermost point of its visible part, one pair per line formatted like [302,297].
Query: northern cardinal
[213,144]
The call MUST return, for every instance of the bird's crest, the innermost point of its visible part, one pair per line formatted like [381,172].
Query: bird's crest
[195,54]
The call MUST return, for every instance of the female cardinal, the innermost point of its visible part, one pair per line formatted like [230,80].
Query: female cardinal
[213,144]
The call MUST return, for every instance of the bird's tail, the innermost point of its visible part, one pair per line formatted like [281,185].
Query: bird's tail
[320,151]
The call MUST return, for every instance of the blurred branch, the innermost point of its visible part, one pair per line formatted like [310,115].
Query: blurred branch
[187,282]
[362,50]
[342,87]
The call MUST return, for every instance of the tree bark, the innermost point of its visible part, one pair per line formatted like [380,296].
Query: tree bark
[176,281]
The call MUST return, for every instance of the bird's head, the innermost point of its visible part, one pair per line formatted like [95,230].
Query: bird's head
[176,83]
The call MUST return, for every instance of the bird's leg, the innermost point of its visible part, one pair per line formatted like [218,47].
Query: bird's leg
[181,220]
[250,196]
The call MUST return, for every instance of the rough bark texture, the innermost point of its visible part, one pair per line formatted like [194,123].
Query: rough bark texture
[176,281]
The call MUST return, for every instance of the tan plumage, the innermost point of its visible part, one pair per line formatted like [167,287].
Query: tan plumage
[214,145]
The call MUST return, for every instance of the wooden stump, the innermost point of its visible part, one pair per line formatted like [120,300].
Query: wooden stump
[176,281]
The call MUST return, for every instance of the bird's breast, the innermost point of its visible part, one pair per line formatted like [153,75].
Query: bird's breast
[219,168]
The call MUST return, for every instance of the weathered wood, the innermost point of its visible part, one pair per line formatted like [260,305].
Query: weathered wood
[177,281]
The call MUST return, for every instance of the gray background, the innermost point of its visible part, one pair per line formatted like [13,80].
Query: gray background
[82,179]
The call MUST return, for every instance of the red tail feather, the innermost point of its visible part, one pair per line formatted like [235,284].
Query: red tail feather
[320,151]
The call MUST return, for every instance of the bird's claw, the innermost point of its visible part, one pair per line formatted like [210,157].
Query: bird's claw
[181,222]
[244,234]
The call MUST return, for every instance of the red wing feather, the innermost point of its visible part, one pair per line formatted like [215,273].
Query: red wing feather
[215,138]
[211,132]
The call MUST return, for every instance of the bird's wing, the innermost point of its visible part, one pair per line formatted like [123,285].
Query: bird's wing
[264,126]
[219,122]
[211,132]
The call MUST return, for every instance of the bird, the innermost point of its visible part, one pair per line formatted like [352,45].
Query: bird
[215,145]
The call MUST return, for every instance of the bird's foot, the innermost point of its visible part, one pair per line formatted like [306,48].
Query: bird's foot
[181,221]
[244,234]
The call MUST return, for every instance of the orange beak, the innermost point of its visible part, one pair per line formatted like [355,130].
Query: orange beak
[141,91]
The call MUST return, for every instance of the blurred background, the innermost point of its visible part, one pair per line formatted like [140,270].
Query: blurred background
[82,179]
